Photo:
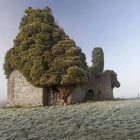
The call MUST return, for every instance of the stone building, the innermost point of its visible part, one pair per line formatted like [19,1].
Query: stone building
[22,93]
[99,87]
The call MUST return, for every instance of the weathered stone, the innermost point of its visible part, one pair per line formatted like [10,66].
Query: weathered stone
[78,94]
[100,87]
[22,93]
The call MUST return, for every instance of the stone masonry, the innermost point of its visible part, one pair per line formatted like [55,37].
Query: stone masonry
[21,92]
[100,87]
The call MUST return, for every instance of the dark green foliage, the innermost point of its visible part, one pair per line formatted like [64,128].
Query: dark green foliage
[114,80]
[76,73]
[98,61]
[7,64]
[44,54]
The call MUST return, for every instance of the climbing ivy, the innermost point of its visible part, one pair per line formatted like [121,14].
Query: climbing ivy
[98,61]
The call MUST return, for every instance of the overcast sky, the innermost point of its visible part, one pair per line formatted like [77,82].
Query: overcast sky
[113,25]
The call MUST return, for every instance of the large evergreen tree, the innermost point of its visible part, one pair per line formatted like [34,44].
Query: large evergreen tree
[44,54]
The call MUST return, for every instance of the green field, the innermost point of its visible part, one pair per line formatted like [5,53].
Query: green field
[106,120]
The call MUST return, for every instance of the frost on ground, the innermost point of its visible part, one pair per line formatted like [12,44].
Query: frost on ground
[108,120]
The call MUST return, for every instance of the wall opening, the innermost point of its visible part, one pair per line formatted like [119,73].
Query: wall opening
[46,96]
[51,96]
[90,95]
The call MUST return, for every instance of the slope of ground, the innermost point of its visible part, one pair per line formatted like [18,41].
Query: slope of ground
[110,120]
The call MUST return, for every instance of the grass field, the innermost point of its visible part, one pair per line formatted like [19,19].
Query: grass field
[107,120]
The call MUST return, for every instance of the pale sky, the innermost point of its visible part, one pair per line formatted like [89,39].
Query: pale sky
[113,25]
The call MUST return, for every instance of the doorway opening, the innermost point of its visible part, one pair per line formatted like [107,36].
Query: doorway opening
[90,95]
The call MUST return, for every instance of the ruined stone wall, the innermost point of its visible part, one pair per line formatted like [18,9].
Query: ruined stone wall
[101,86]
[21,92]
[78,94]
[97,89]
[106,85]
